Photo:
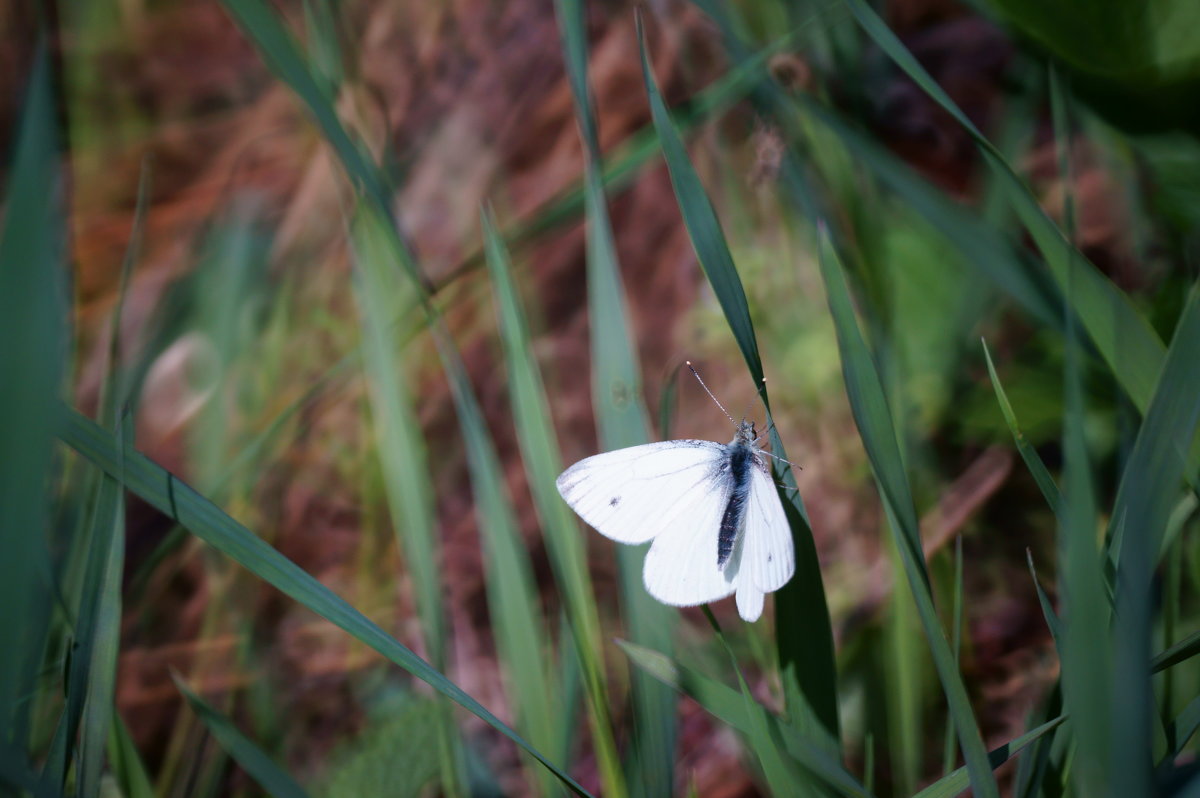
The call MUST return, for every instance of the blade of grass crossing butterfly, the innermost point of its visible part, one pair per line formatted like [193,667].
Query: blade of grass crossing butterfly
[1033,461]
[269,775]
[621,420]
[382,295]
[873,418]
[32,312]
[729,706]
[177,500]
[564,543]
[1086,653]
[1150,484]
[1124,338]
[804,634]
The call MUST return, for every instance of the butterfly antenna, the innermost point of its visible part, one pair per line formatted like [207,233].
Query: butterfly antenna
[780,459]
[696,374]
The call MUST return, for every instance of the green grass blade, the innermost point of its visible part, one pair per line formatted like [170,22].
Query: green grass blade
[126,763]
[285,58]
[873,417]
[178,501]
[1048,612]
[729,706]
[32,326]
[1152,479]
[1033,461]
[1183,650]
[382,295]
[1123,337]
[954,783]
[782,778]
[621,420]
[245,752]
[950,746]
[1183,726]
[804,634]
[564,543]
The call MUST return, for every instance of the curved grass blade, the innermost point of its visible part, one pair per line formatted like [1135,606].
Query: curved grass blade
[177,500]
[539,450]
[782,778]
[32,326]
[1033,461]
[253,760]
[1182,727]
[873,417]
[804,634]
[729,706]
[621,419]
[1122,336]
[954,783]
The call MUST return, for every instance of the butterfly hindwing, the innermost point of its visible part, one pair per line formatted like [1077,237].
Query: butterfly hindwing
[768,557]
[632,495]
[681,568]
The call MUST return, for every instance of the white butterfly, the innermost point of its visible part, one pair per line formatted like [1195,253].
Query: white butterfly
[711,509]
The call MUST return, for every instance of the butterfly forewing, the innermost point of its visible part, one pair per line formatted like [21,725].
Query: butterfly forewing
[768,556]
[632,495]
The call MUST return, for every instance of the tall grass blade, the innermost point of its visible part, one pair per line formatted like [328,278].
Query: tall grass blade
[1150,484]
[873,417]
[178,501]
[382,296]
[245,752]
[729,706]
[511,591]
[539,450]
[803,631]
[1183,650]
[621,419]
[1123,338]
[32,321]
[950,746]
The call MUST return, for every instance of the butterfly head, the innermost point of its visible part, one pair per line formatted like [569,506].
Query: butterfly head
[746,433]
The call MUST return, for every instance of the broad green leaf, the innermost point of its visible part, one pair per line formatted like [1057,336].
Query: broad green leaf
[33,317]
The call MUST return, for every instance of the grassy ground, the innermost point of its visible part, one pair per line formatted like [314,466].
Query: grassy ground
[308,304]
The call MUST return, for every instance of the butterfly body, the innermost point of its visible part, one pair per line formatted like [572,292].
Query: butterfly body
[711,509]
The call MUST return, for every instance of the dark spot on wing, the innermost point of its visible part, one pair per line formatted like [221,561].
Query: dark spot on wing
[614,501]
[770,558]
